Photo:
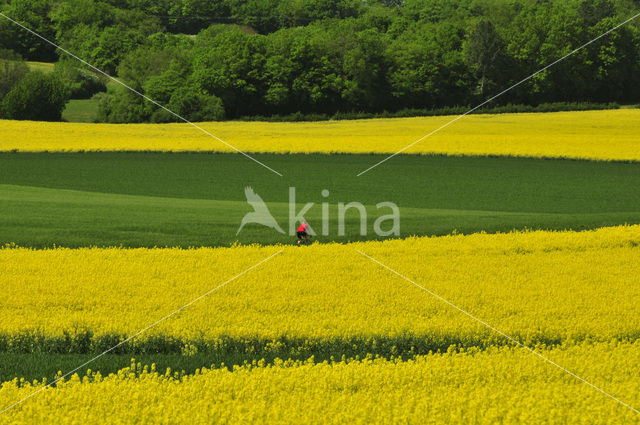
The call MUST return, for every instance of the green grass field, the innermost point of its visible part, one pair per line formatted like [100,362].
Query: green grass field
[197,199]
[81,110]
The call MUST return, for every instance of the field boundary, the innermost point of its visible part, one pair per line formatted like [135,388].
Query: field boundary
[434,154]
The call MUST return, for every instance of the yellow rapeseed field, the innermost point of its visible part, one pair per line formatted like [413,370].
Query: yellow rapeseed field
[571,295]
[496,386]
[605,135]
[538,286]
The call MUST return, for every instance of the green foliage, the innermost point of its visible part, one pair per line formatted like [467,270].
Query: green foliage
[332,57]
[613,64]
[593,11]
[482,51]
[429,68]
[79,83]
[122,106]
[102,47]
[193,106]
[100,33]
[161,71]
[12,69]
[228,63]
[34,14]
[37,96]
[66,15]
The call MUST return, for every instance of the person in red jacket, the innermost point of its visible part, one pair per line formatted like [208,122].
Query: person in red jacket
[303,236]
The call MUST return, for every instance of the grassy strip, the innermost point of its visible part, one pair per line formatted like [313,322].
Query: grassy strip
[85,342]
[45,67]
[46,365]
[81,110]
[38,364]
[35,358]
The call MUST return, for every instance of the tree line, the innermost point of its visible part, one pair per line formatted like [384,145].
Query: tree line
[227,59]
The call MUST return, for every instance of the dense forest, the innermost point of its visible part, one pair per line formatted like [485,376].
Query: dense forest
[225,59]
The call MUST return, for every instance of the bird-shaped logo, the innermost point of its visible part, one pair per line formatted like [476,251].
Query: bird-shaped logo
[260,213]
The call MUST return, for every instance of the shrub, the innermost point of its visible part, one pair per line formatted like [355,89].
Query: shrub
[192,106]
[37,96]
[122,106]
